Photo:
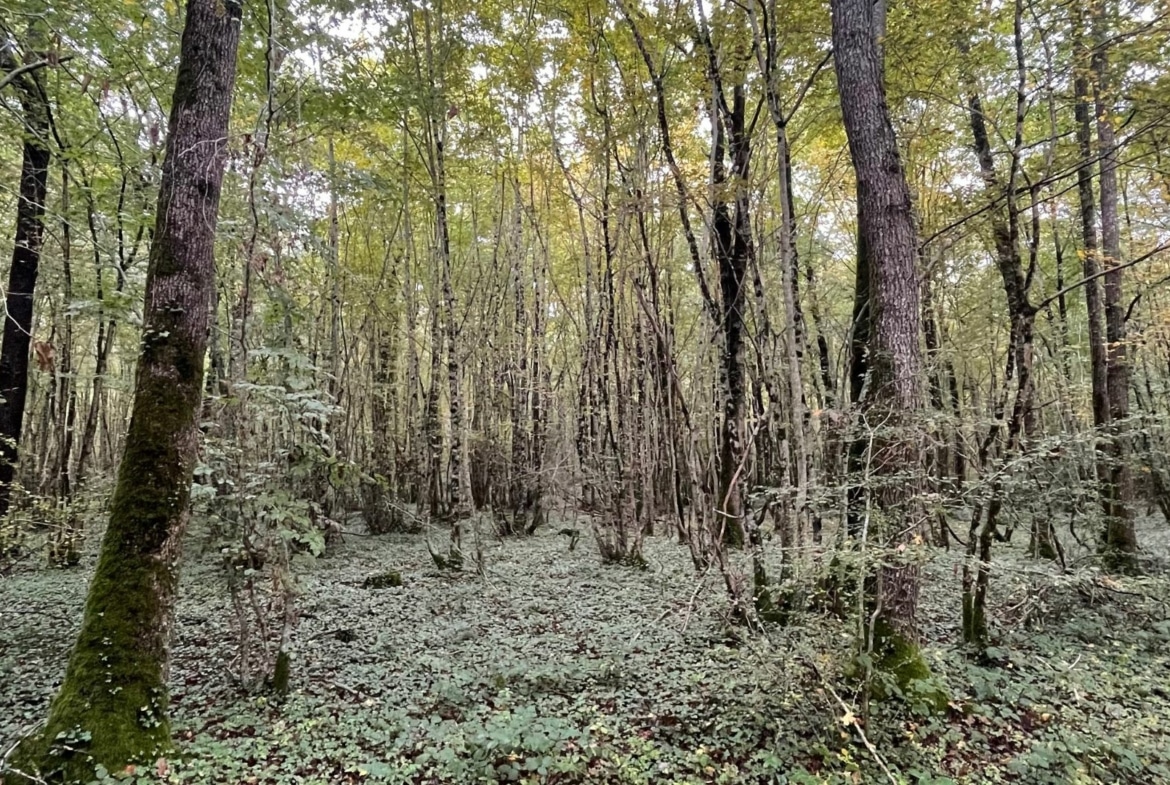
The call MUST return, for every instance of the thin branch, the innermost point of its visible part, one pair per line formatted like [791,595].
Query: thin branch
[16,73]
[1104,271]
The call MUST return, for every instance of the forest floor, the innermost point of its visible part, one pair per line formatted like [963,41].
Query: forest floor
[554,668]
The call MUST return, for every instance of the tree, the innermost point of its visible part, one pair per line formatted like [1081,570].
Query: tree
[1119,543]
[887,247]
[26,257]
[111,709]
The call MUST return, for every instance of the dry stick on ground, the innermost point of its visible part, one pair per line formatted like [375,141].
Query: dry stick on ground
[346,688]
[849,719]
[4,767]
[699,584]
[691,603]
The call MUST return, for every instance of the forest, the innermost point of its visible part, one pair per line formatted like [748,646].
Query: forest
[585,391]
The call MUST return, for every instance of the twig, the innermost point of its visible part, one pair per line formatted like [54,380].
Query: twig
[691,603]
[4,765]
[16,73]
[348,689]
[1101,584]
[852,721]
[1104,271]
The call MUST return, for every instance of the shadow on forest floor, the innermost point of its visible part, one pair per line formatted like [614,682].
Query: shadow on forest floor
[556,669]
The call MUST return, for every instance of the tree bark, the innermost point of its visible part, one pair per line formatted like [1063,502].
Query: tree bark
[893,390]
[1119,542]
[22,276]
[125,632]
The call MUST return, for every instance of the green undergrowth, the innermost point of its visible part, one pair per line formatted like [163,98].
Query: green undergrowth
[554,668]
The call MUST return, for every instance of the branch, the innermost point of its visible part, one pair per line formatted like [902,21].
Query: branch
[808,83]
[1071,287]
[1044,182]
[16,73]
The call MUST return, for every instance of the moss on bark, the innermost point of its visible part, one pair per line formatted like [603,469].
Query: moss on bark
[1119,547]
[974,621]
[282,674]
[899,662]
[386,580]
[111,708]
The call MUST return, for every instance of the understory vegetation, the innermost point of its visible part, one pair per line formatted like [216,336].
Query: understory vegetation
[585,391]
[551,667]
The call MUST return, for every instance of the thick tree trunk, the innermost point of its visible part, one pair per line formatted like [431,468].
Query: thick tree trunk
[111,709]
[893,393]
[22,276]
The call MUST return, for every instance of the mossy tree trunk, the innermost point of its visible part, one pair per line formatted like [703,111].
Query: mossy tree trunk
[893,390]
[111,707]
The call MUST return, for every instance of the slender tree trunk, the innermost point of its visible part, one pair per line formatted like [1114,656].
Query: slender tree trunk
[521,441]
[1005,223]
[63,480]
[539,389]
[107,327]
[1098,351]
[22,275]
[1119,542]
[335,368]
[125,633]
[733,250]
[458,475]
[763,20]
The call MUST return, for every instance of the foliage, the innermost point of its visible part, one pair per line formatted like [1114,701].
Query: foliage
[548,670]
[470,276]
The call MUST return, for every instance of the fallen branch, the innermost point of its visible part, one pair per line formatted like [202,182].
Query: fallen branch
[850,720]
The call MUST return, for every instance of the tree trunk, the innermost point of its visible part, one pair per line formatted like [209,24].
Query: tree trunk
[1098,351]
[521,440]
[540,385]
[733,250]
[1119,542]
[22,276]
[893,393]
[125,632]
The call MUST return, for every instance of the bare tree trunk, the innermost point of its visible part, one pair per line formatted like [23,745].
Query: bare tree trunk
[1098,351]
[539,389]
[893,396]
[22,275]
[521,439]
[732,250]
[458,475]
[1119,542]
